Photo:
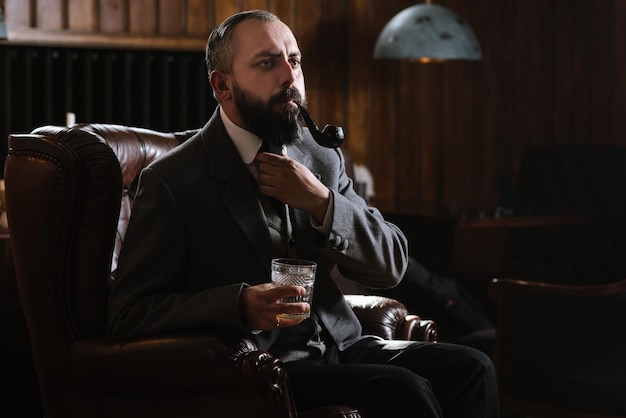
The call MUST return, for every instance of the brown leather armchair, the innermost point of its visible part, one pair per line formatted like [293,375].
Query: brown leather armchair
[64,191]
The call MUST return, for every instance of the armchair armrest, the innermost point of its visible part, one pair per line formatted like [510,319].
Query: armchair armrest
[389,319]
[173,362]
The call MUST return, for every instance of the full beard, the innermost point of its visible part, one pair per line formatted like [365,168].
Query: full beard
[281,127]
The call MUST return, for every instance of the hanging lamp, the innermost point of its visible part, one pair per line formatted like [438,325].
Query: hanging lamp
[427,33]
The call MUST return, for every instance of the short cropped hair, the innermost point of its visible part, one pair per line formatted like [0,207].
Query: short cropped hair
[221,46]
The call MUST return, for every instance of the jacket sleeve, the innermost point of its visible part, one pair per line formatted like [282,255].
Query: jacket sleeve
[365,247]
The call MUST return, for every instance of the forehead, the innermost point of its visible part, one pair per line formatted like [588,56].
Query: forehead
[256,37]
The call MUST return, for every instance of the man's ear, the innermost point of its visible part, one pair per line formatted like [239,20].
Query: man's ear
[220,83]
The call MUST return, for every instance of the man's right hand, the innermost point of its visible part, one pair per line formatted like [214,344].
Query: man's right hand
[260,306]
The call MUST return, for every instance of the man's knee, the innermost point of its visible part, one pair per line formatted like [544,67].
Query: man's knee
[407,393]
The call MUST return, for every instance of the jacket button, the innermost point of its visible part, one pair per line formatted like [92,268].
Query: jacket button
[335,241]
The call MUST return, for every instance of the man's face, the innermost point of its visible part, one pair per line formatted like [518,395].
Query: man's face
[267,80]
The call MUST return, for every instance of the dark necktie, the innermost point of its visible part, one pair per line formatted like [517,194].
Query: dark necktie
[279,206]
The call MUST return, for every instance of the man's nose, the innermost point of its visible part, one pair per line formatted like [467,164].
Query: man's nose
[288,74]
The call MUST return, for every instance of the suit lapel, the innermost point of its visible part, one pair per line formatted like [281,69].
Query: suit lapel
[240,193]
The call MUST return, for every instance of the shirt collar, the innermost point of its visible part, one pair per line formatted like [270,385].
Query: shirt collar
[246,142]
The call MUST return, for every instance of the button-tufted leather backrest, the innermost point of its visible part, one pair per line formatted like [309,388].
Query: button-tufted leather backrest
[92,177]
[134,148]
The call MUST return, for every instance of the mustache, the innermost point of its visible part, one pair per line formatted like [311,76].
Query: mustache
[286,94]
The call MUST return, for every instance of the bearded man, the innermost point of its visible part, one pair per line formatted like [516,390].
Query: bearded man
[203,232]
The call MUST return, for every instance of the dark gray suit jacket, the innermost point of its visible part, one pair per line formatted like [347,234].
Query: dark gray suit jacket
[198,234]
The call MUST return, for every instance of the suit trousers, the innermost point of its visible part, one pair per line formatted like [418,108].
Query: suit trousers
[388,379]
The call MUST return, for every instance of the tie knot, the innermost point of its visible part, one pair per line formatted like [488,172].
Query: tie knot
[270,147]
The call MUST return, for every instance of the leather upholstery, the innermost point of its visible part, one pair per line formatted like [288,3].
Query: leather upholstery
[64,189]
[390,319]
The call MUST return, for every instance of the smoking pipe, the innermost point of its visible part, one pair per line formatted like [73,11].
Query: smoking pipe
[329,137]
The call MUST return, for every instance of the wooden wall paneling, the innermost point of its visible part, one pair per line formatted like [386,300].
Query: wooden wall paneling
[551,74]
[180,100]
[130,94]
[171,19]
[523,73]
[499,59]
[430,112]
[165,71]
[541,59]
[113,62]
[333,50]
[23,70]
[482,127]
[455,172]
[79,80]
[113,16]
[205,102]
[224,9]
[358,114]
[406,128]
[50,14]
[193,98]
[76,87]
[37,86]
[467,177]
[190,102]
[618,88]
[32,84]
[581,15]
[450,96]
[527,70]
[18,13]
[307,28]
[52,66]
[134,87]
[454,149]
[287,10]
[99,86]
[602,77]
[67,79]
[199,18]
[81,15]
[254,4]
[564,75]
[409,121]
[143,17]
[148,79]
[85,64]
[382,146]
[106,75]
[406,88]
[164,96]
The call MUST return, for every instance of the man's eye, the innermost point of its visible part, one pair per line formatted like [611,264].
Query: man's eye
[296,63]
[266,63]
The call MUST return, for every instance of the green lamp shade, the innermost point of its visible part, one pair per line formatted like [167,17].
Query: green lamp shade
[427,32]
